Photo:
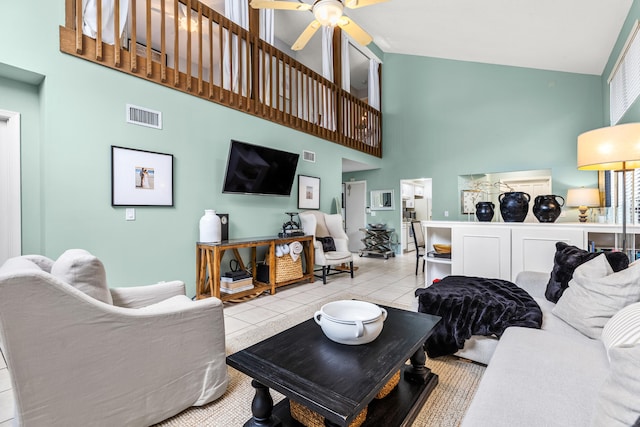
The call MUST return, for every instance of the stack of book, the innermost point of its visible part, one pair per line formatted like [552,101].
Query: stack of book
[234,283]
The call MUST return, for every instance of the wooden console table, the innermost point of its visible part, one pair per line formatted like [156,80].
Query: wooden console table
[209,256]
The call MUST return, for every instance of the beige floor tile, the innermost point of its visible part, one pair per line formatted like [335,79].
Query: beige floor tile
[231,324]
[5,380]
[256,315]
[282,305]
[6,405]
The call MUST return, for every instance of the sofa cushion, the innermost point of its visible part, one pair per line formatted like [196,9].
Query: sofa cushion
[596,293]
[618,404]
[84,272]
[537,378]
[567,259]
[16,264]
[623,329]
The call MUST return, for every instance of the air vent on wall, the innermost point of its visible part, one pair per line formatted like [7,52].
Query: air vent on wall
[308,156]
[144,117]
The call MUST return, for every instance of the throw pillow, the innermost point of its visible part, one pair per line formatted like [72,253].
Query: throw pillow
[84,272]
[596,293]
[328,244]
[618,403]
[321,224]
[567,259]
[623,329]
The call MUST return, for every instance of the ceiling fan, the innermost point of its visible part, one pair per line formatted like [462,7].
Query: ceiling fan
[326,13]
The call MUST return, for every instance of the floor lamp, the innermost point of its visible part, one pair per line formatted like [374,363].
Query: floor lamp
[613,148]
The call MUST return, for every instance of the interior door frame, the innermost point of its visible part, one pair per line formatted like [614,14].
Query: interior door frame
[11,203]
[349,215]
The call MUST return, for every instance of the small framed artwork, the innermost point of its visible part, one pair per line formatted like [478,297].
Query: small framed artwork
[468,201]
[141,178]
[308,192]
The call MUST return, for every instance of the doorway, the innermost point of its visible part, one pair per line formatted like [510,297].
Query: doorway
[355,212]
[10,202]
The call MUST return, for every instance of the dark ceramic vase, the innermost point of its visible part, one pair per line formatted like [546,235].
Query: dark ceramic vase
[547,208]
[514,206]
[484,211]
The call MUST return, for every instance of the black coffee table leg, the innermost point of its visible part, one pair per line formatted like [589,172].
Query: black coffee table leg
[418,373]
[261,408]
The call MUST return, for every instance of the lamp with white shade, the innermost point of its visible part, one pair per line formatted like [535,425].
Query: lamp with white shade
[583,199]
[613,148]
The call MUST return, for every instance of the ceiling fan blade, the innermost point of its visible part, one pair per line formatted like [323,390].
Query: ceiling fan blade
[306,35]
[354,30]
[354,4]
[282,5]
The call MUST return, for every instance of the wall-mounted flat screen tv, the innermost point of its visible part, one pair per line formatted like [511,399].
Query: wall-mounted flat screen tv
[254,169]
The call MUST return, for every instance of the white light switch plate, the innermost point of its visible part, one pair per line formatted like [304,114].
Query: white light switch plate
[130,214]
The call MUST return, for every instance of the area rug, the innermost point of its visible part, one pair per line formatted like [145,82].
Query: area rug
[445,407]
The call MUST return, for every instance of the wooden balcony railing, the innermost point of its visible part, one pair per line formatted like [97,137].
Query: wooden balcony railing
[185,45]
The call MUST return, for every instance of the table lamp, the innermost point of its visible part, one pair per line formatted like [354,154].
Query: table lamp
[583,199]
[614,148]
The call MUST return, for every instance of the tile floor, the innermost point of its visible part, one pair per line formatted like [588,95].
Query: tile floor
[391,280]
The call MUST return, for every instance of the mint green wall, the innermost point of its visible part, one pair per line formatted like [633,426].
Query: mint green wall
[444,118]
[72,118]
[24,98]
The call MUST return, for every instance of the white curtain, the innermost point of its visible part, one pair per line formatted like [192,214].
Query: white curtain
[327,52]
[234,78]
[327,104]
[90,18]
[267,33]
[346,84]
[374,84]
[267,25]
[346,68]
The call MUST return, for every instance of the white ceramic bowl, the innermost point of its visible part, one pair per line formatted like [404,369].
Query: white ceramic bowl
[351,322]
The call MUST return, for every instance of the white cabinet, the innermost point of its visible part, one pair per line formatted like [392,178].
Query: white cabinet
[436,268]
[410,203]
[502,250]
[481,251]
[407,191]
[418,191]
[534,247]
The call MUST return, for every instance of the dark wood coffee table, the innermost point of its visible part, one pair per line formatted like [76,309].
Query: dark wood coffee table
[338,381]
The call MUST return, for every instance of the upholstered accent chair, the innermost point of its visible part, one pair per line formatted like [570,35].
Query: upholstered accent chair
[327,229]
[80,353]
[418,239]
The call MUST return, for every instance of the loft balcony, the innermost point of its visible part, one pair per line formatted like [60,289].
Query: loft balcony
[187,46]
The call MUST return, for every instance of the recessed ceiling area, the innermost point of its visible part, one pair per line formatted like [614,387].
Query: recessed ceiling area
[355,166]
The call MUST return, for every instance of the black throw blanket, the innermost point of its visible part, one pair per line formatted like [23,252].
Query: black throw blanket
[474,306]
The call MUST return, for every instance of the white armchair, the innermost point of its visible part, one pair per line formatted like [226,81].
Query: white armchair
[320,224]
[143,355]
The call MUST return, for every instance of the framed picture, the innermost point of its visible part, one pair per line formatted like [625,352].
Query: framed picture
[308,192]
[469,199]
[141,178]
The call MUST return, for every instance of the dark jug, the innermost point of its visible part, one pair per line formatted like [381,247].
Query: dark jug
[514,206]
[547,208]
[484,211]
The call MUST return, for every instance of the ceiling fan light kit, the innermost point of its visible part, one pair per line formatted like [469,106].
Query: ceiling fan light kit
[327,13]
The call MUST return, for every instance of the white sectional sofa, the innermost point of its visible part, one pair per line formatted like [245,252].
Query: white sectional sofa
[557,375]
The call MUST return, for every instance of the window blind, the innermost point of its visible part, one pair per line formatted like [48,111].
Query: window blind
[624,82]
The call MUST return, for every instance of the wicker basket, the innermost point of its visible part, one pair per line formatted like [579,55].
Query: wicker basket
[388,387]
[309,418]
[287,268]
